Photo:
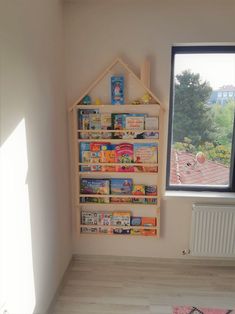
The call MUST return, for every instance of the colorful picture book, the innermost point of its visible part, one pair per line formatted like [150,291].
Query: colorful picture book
[151,190]
[134,123]
[121,187]
[108,155]
[95,124]
[138,189]
[84,120]
[93,199]
[96,218]
[118,123]
[151,123]
[121,231]
[121,219]
[136,221]
[117,90]
[148,221]
[106,124]
[146,153]
[85,156]
[94,186]
[124,154]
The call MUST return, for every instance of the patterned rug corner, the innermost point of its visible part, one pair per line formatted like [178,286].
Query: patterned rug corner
[199,310]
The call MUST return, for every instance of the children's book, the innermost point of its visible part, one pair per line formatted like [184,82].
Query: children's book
[95,158]
[146,153]
[85,156]
[135,231]
[105,230]
[121,231]
[94,186]
[96,218]
[97,146]
[89,218]
[124,154]
[106,124]
[151,123]
[95,124]
[121,219]
[121,186]
[117,90]
[108,155]
[148,221]
[136,221]
[105,218]
[84,120]
[132,123]
[148,232]
[151,135]
[151,190]
[118,123]
[89,230]
[85,123]
[138,189]
[93,199]
[95,121]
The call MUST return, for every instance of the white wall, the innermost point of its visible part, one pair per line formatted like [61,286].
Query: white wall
[97,32]
[36,228]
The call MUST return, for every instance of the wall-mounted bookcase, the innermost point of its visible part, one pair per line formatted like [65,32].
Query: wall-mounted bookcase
[115,156]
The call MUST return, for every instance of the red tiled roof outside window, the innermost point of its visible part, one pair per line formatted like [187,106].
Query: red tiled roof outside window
[186,170]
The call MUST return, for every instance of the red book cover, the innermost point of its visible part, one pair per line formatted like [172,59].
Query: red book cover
[125,154]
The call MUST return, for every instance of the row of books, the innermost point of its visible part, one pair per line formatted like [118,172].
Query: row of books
[97,222]
[105,152]
[116,186]
[111,230]
[137,125]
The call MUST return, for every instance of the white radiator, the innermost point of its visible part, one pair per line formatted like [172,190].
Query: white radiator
[213,231]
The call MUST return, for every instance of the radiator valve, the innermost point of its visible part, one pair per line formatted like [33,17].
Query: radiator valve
[186,252]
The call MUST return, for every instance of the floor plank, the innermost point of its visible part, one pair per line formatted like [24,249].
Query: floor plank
[112,285]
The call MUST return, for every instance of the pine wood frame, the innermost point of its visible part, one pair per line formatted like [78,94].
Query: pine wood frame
[74,149]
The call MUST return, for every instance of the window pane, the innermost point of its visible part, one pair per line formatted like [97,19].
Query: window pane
[202,119]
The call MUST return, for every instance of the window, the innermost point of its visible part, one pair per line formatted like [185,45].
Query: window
[201,137]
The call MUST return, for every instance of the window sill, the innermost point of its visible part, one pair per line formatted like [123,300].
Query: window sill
[192,194]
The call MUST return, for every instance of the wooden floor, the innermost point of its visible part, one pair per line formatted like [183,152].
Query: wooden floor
[99,285]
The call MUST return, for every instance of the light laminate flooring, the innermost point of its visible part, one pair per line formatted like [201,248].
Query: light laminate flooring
[125,285]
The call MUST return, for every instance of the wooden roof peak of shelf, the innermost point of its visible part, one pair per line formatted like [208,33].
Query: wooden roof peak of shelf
[105,72]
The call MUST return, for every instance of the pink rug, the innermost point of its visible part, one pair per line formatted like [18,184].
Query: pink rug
[195,310]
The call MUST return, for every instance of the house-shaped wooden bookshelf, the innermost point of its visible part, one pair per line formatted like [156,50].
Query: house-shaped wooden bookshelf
[95,161]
